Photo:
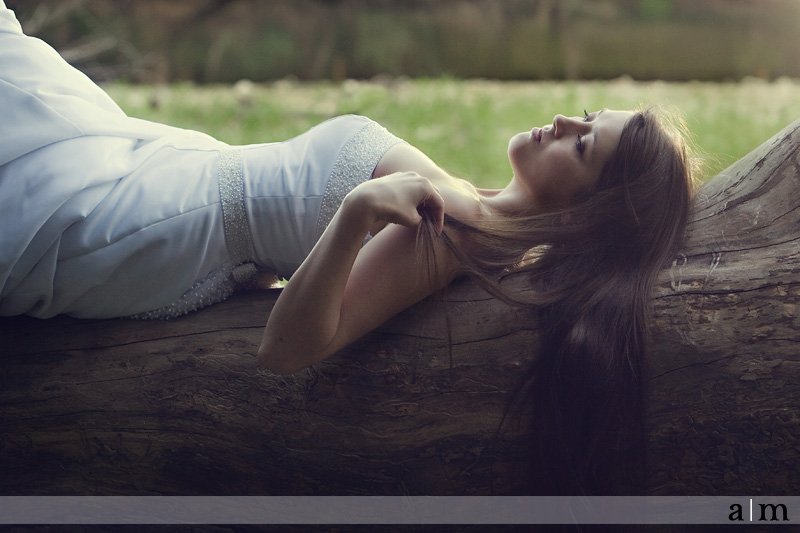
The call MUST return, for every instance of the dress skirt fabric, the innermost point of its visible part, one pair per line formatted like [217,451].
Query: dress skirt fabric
[104,215]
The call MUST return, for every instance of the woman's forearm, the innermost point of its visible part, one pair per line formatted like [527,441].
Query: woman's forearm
[306,316]
[342,291]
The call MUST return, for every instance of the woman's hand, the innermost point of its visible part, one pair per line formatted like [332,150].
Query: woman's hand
[342,291]
[401,198]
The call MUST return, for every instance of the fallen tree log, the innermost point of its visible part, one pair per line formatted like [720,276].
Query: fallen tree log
[178,407]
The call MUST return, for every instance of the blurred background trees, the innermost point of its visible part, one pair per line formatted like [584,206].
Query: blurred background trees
[227,40]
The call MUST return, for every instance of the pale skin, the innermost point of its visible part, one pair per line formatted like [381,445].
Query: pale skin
[343,290]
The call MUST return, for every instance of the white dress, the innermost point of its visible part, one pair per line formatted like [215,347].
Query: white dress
[104,215]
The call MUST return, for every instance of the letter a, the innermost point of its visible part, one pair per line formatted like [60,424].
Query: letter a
[737,512]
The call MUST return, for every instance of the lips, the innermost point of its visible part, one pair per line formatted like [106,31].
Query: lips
[536,134]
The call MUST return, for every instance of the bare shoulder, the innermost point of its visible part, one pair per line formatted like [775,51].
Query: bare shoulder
[461,198]
[403,157]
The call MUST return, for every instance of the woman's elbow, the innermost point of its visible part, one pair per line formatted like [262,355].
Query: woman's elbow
[273,360]
[281,360]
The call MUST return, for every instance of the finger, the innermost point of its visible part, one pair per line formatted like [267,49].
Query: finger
[411,220]
[430,212]
[434,206]
[377,226]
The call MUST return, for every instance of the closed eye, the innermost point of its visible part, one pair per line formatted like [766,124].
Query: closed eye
[580,146]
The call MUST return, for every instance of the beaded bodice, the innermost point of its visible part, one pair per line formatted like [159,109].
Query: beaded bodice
[251,228]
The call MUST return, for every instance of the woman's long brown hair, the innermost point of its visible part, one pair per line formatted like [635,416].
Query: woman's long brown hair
[592,266]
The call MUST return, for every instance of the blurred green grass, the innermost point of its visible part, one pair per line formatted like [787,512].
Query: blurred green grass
[465,125]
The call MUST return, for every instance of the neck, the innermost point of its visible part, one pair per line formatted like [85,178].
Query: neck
[511,200]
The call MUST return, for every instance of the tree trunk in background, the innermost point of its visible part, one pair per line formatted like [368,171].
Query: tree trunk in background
[177,407]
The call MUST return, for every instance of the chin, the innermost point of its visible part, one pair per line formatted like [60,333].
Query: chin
[518,147]
[519,140]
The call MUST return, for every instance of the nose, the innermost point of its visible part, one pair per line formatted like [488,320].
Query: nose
[568,125]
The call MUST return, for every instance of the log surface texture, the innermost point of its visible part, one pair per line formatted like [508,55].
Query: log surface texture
[178,407]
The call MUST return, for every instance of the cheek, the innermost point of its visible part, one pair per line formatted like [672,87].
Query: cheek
[564,186]
[557,179]
[552,175]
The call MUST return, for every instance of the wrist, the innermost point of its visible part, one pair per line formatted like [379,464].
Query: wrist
[355,213]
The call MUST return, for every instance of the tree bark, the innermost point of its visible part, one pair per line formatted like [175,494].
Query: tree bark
[178,407]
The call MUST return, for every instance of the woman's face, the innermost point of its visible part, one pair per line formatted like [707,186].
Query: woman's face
[553,163]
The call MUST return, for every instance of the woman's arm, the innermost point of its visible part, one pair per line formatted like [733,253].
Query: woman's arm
[342,291]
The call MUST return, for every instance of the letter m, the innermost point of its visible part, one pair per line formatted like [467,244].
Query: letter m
[774,509]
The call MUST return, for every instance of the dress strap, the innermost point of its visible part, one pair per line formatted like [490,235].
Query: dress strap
[355,164]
